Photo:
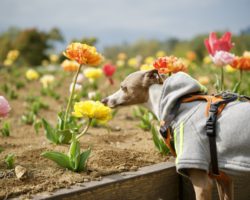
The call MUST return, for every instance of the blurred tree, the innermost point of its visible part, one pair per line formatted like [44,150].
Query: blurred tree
[32,44]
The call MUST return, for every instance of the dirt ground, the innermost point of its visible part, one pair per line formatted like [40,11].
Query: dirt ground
[126,147]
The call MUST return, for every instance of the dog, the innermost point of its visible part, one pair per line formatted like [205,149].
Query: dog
[191,143]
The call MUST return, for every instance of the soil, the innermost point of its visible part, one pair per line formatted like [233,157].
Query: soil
[126,147]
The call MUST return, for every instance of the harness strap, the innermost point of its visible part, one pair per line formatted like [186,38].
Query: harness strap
[168,137]
[215,105]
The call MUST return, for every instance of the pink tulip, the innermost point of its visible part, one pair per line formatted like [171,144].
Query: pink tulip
[214,44]
[80,78]
[4,107]
[222,58]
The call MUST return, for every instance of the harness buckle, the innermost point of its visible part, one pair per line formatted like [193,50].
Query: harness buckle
[210,125]
[163,131]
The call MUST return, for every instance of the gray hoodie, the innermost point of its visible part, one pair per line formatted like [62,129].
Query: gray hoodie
[191,141]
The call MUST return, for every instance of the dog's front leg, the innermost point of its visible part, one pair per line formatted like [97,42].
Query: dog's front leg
[202,184]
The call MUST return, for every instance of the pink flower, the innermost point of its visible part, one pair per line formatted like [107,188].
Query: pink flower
[214,44]
[80,78]
[4,107]
[222,58]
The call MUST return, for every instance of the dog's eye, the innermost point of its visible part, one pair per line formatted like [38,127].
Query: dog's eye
[124,88]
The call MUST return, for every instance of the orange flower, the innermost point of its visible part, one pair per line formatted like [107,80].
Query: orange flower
[169,64]
[70,65]
[83,54]
[241,63]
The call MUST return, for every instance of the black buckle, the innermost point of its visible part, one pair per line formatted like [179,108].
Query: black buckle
[210,125]
[163,131]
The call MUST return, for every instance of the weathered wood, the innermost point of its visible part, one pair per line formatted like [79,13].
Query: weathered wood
[155,182]
[158,181]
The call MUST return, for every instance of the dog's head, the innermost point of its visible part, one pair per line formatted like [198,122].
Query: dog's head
[134,89]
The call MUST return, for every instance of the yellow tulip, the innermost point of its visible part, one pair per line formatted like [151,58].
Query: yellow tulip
[207,60]
[92,73]
[160,54]
[32,74]
[13,55]
[120,63]
[53,58]
[8,62]
[230,69]
[121,56]
[149,60]
[146,67]
[132,62]
[92,110]
[83,54]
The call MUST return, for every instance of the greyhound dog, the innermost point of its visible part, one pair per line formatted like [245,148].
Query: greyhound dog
[193,160]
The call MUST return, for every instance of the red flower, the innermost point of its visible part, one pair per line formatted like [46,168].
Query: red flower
[109,70]
[214,44]
[169,64]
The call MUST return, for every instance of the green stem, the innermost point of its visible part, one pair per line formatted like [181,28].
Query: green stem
[84,130]
[222,80]
[169,74]
[71,97]
[241,76]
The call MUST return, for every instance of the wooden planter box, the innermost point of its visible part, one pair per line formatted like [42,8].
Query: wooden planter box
[155,182]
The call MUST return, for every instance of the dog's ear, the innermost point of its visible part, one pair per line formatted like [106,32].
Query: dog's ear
[152,77]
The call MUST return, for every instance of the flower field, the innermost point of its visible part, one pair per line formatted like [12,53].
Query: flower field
[55,132]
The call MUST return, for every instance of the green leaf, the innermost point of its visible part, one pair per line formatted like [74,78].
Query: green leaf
[50,132]
[9,160]
[64,136]
[236,87]
[37,125]
[74,153]
[155,137]
[158,141]
[83,160]
[60,120]
[6,129]
[60,158]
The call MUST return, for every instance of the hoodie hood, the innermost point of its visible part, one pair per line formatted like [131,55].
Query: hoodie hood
[175,87]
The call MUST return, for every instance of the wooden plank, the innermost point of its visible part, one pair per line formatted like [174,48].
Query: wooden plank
[158,181]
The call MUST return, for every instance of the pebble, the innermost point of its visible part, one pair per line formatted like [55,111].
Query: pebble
[86,180]
[21,172]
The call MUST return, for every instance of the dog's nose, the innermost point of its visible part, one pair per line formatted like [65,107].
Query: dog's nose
[104,101]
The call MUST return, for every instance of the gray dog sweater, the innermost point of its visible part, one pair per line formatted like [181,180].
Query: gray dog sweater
[190,139]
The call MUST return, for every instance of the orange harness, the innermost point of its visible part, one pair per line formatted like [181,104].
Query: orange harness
[211,100]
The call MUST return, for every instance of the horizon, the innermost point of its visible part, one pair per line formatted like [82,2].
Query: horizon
[116,22]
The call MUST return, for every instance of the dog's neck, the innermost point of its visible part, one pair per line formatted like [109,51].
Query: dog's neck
[154,99]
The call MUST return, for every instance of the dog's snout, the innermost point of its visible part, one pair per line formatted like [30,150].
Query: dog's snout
[105,101]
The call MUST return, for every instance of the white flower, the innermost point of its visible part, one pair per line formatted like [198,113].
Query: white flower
[91,95]
[78,88]
[222,58]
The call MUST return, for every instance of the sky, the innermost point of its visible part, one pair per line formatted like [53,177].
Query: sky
[118,21]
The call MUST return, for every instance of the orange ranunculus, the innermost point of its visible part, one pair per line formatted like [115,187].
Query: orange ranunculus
[83,54]
[191,55]
[70,65]
[169,64]
[241,63]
